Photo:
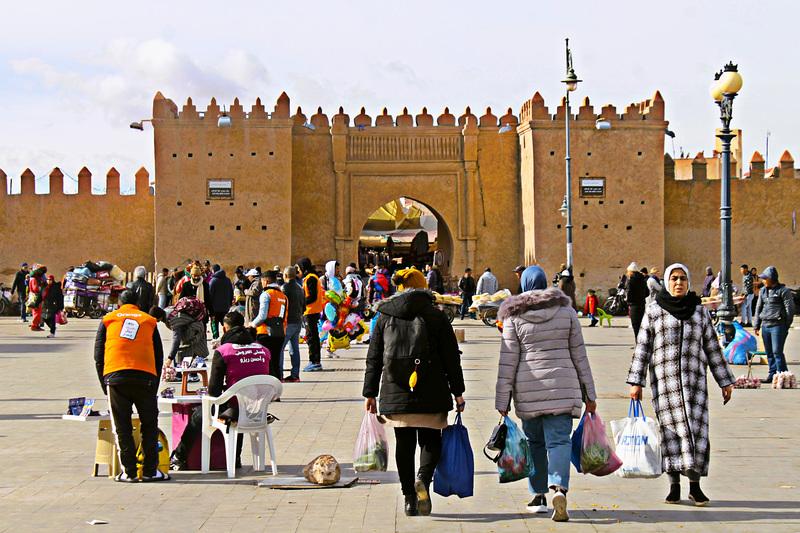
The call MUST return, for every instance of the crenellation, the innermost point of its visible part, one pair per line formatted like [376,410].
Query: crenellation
[341,118]
[299,118]
[586,111]
[320,120]
[561,111]
[27,182]
[112,182]
[56,181]
[282,106]
[189,111]
[699,167]
[488,119]
[786,164]
[462,120]
[212,112]
[631,113]
[424,118]
[655,108]
[257,111]
[446,118]
[4,181]
[237,111]
[384,119]
[405,120]
[142,182]
[362,119]
[85,182]
[669,167]
[609,112]
[509,119]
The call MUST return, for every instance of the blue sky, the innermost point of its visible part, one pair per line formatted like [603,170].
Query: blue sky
[74,75]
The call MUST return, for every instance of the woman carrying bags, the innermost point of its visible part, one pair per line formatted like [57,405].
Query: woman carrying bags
[52,304]
[544,368]
[677,343]
[414,358]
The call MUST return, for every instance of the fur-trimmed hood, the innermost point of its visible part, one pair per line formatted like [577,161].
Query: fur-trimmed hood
[536,306]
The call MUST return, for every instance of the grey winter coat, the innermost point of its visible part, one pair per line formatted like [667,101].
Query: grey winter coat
[775,307]
[543,361]
[677,354]
[487,283]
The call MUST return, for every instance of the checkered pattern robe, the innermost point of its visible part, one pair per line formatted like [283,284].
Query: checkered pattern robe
[678,353]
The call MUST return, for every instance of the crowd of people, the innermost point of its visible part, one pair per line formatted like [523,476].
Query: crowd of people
[543,368]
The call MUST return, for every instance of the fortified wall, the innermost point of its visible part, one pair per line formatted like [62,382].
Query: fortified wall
[764,225]
[60,229]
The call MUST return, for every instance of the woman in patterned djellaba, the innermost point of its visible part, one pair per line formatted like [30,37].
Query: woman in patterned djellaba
[677,343]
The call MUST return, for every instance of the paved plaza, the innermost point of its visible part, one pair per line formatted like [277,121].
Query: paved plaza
[46,463]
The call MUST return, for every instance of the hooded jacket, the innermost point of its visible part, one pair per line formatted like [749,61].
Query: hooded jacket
[221,291]
[543,362]
[145,292]
[775,305]
[439,378]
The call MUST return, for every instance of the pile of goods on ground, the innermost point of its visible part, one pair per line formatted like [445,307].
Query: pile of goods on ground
[93,286]
[784,380]
[743,382]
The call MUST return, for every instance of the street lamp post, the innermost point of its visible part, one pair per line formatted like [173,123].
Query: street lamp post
[726,84]
[571,82]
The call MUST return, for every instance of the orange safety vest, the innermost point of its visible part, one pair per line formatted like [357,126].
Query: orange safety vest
[316,307]
[278,303]
[129,341]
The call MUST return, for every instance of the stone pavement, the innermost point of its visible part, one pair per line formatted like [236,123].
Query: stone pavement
[45,467]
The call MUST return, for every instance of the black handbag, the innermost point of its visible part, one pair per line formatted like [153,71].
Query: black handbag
[497,442]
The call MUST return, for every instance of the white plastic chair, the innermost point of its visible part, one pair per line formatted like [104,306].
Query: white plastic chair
[254,394]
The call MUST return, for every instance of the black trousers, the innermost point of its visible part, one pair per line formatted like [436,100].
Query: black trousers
[311,323]
[121,397]
[193,429]
[430,444]
[637,314]
[216,323]
[274,345]
[51,323]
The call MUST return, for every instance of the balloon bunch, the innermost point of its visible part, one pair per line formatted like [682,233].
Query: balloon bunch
[340,323]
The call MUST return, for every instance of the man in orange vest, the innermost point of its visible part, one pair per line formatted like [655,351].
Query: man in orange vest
[128,355]
[314,303]
[270,323]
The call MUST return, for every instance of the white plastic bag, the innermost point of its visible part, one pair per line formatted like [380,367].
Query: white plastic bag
[638,444]
[371,451]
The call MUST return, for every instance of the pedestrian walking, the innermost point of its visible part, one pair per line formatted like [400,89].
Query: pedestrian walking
[162,289]
[636,296]
[544,368]
[128,355]
[677,346]
[20,286]
[408,327]
[747,291]
[590,308]
[52,304]
[314,303]
[221,295]
[773,318]
[487,283]
[145,292]
[467,287]
[294,321]
[270,323]
[654,286]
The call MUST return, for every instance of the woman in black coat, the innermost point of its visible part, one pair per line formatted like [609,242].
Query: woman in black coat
[414,358]
[52,304]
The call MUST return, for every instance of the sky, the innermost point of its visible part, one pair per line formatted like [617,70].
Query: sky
[74,75]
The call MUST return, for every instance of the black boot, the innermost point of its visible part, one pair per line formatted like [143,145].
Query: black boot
[674,495]
[423,497]
[411,505]
[696,495]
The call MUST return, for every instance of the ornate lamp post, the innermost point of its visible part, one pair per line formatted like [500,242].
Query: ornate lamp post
[571,82]
[726,84]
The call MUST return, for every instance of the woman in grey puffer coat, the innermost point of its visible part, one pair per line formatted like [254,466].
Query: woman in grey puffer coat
[543,366]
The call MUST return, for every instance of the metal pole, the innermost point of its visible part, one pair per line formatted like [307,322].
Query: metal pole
[726,311]
[569,194]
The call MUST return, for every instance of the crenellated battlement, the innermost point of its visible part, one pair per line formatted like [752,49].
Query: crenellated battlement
[701,168]
[56,179]
[650,110]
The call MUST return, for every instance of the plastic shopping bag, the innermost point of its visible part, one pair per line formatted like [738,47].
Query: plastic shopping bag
[577,441]
[455,472]
[371,451]
[61,317]
[638,444]
[596,451]
[515,462]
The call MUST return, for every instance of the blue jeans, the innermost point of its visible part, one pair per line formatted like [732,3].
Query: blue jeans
[466,303]
[774,339]
[292,338]
[550,444]
[747,309]
[163,300]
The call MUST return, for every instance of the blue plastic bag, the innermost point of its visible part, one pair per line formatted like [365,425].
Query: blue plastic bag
[455,473]
[736,350]
[577,440]
[515,462]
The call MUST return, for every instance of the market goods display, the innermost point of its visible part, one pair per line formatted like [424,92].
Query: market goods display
[93,288]
[784,380]
[744,382]
[447,298]
[486,298]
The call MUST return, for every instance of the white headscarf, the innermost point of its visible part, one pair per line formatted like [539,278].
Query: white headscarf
[668,273]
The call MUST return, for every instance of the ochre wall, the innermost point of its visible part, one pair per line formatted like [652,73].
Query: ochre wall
[761,231]
[608,233]
[60,230]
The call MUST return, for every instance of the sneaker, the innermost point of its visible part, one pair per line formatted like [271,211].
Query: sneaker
[329,355]
[538,504]
[158,476]
[177,464]
[123,478]
[423,498]
[313,367]
[193,378]
[560,513]
[51,336]
[291,379]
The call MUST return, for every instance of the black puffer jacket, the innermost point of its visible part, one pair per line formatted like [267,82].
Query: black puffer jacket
[637,289]
[53,300]
[146,293]
[439,378]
